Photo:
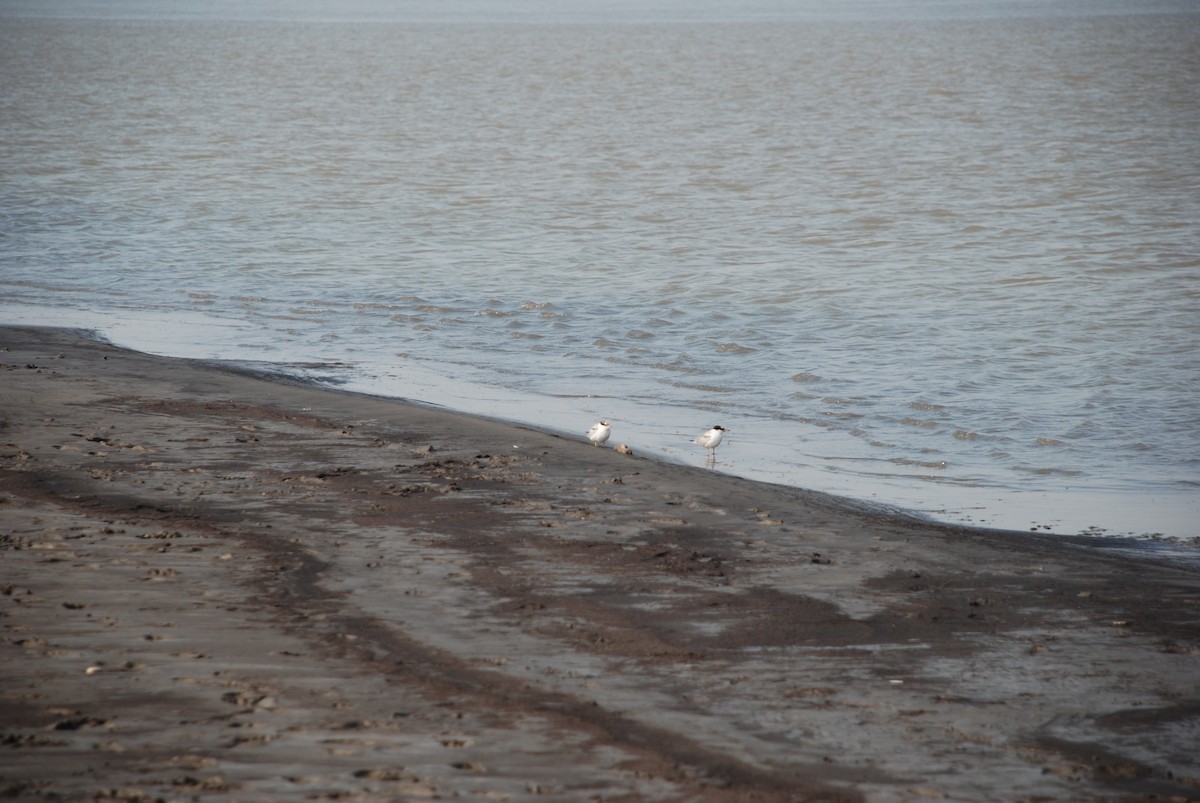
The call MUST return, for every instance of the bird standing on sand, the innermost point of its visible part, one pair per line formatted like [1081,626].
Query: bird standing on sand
[711,440]
[599,432]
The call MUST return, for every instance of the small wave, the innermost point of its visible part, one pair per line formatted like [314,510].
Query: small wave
[639,334]
[733,348]
[674,289]
[807,377]
[677,367]
[1046,471]
[925,406]
[529,306]
[964,435]
[493,313]
[294,318]
[1021,281]
[1049,442]
[906,461]
[704,388]
[908,421]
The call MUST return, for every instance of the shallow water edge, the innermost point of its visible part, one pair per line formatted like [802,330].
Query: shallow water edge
[992,511]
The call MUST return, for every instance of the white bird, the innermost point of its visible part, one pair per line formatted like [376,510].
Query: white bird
[599,432]
[711,440]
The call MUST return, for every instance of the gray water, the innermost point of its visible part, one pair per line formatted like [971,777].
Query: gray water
[935,255]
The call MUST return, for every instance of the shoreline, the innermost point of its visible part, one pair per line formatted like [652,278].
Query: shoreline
[221,583]
[1146,543]
[1166,513]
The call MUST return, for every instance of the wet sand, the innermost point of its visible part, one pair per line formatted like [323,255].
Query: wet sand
[221,586]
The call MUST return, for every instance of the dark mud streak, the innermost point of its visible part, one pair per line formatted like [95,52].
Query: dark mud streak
[290,583]
[672,752]
[1138,780]
[433,667]
[1125,773]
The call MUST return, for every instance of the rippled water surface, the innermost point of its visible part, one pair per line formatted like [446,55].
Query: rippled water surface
[935,255]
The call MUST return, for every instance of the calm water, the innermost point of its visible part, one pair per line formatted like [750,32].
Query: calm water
[938,255]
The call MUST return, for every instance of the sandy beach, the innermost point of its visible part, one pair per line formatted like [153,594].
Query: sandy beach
[221,586]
